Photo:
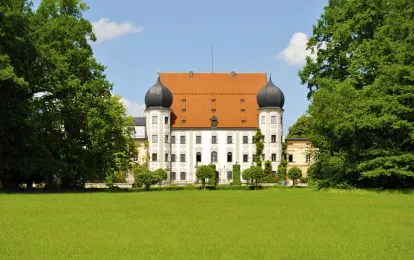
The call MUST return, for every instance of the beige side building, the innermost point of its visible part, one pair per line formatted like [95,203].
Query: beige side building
[299,154]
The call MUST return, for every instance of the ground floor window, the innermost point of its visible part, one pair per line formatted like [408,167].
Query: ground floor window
[198,157]
[273,173]
[182,176]
[273,157]
[229,175]
[172,176]
[245,158]
[290,158]
[154,157]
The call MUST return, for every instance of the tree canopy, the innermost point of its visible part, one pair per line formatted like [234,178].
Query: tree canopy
[361,85]
[300,129]
[59,121]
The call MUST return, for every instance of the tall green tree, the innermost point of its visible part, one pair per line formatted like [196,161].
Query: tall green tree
[58,117]
[301,128]
[361,85]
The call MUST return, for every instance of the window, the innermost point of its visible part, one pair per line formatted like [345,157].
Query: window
[308,144]
[263,139]
[198,157]
[214,157]
[273,138]
[135,159]
[263,120]
[166,139]
[243,121]
[214,139]
[214,122]
[273,157]
[290,143]
[172,176]
[154,120]
[242,100]
[154,157]
[242,110]
[198,139]
[213,100]
[290,158]
[229,157]
[213,110]
[166,157]
[155,139]
[183,100]
[308,158]
[173,157]
[273,173]
[173,139]
[183,121]
[253,140]
[182,157]
[182,139]
[273,120]
[245,158]
[229,139]
[245,139]
[263,156]
[229,175]
[182,176]
[183,110]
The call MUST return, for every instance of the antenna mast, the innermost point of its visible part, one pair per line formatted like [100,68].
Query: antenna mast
[212,57]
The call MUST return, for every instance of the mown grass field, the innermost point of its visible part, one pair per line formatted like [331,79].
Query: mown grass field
[268,224]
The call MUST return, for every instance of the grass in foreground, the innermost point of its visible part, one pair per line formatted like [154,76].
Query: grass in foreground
[269,224]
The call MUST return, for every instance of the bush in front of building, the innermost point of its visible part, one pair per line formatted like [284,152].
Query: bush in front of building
[236,174]
[213,179]
[205,172]
[144,176]
[294,174]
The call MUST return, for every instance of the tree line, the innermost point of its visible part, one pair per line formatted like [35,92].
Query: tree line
[361,88]
[59,122]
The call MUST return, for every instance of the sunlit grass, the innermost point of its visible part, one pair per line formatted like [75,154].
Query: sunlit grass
[268,224]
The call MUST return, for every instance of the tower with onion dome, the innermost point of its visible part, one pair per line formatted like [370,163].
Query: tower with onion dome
[158,102]
[270,100]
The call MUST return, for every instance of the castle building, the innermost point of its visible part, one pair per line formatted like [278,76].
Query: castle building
[194,119]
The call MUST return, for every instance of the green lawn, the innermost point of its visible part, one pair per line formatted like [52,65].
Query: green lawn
[268,224]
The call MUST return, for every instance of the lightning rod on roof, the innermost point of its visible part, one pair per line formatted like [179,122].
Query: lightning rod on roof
[212,57]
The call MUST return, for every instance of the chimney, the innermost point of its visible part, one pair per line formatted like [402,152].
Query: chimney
[191,73]
[233,73]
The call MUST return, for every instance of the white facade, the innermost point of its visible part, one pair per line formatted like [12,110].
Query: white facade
[180,150]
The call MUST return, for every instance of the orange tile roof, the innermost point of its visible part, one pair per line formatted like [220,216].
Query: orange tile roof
[219,94]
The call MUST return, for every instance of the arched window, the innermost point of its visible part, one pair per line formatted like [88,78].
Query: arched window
[198,157]
[229,157]
[214,157]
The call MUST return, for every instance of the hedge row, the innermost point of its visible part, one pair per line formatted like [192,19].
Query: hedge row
[182,188]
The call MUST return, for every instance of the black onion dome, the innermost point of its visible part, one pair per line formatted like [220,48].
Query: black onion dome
[270,96]
[158,96]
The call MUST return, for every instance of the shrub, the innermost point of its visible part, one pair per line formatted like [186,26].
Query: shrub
[145,177]
[246,174]
[236,174]
[256,173]
[119,177]
[205,172]
[294,174]
[268,168]
[213,179]
[270,179]
[304,179]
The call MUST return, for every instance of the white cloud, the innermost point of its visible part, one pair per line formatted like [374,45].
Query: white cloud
[133,108]
[295,53]
[104,29]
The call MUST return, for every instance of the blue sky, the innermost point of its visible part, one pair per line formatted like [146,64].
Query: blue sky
[135,38]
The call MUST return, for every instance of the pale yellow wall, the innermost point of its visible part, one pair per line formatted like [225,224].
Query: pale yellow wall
[299,149]
[142,153]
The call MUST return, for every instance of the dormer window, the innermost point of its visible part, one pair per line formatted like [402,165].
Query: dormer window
[214,121]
